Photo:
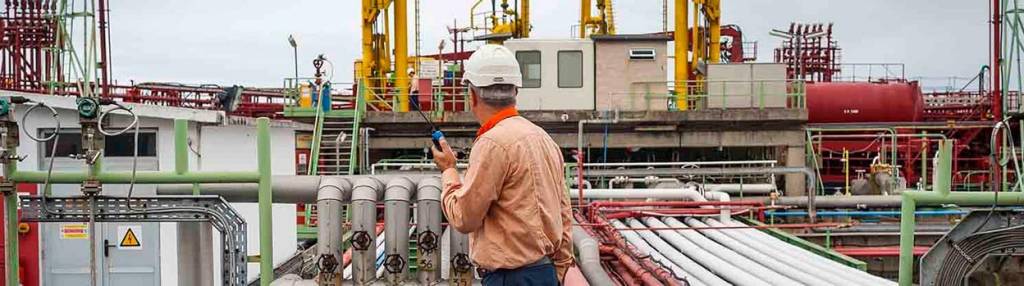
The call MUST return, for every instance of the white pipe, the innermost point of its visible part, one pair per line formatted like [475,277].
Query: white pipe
[831,274]
[751,189]
[663,194]
[721,197]
[589,258]
[659,258]
[777,266]
[728,255]
[698,273]
[861,277]
[725,269]
[684,164]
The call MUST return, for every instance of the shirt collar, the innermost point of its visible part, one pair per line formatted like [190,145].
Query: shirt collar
[495,119]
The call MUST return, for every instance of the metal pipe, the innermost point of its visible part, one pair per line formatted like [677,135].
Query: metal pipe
[786,252]
[397,198]
[365,194]
[266,199]
[759,189]
[428,228]
[331,195]
[590,258]
[685,194]
[721,197]
[631,265]
[698,275]
[287,188]
[776,265]
[647,250]
[725,269]
[730,255]
[461,269]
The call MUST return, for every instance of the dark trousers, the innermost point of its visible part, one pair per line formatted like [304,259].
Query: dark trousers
[543,275]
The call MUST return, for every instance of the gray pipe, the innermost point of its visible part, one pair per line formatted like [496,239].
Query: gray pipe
[428,231]
[589,258]
[397,199]
[767,246]
[331,195]
[859,277]
[778,266]
[656,256]
[287,189]
[729,255]
[864,201]
[699,275]
[735,274]
[461,267]
[365,194]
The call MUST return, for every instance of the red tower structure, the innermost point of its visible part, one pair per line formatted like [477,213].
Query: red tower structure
[810,53]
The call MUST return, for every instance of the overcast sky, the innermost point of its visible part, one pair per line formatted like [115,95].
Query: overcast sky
[245,41]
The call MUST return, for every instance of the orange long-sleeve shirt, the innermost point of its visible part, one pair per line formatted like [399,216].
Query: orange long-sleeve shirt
[513,203]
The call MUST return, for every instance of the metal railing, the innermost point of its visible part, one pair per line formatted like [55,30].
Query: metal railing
[867,72]
[446,94]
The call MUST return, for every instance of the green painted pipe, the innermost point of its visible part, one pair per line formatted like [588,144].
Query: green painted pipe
[11,216]
[265,202]
[180,146]
[941,194]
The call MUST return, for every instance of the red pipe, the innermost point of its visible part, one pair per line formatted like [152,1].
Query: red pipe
[631,265]
[793,225]
[622,273]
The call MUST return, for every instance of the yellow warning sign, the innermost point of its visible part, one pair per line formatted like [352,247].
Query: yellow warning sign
[130,236]
[74,231]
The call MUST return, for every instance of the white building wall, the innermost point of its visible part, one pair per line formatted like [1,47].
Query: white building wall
[222,148]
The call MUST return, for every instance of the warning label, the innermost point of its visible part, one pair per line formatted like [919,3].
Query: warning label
[74,231]
[129,237]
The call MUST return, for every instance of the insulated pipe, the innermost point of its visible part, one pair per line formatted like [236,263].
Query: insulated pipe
[664,194]
[777,265]
[428,231]
[331,195]
[461,268]
[590,258]
[727,270]
[647,250]
[754,189]
[729,255]
[397,199]
[365,194]
[286,188]
[721,197]
[831,274]
[698,274]
[859,202]
[855,275]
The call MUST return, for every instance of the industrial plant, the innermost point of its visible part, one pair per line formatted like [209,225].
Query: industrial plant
[672,156]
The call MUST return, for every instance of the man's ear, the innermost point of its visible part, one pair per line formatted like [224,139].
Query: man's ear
[472,98]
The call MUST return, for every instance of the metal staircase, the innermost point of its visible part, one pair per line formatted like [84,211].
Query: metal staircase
[335,149]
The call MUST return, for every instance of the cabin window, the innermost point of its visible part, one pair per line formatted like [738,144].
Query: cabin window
[641,54]
[529,66]
[116,146]
[570,69]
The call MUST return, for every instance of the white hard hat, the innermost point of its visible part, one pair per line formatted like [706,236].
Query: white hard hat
[410,70]
[493,64]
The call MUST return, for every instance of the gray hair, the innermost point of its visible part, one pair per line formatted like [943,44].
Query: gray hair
[497,95]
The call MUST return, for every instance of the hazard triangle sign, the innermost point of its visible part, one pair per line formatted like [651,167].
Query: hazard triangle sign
[129,236]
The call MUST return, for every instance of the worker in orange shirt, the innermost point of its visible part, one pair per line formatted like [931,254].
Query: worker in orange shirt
[512,201]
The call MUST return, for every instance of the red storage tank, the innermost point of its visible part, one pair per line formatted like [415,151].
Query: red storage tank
[844,102]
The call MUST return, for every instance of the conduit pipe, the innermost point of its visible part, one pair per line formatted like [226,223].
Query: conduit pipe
[590,258]
[647,250]
[721,197]
[660,194]
[788,255]
[735,274]
[365,194]
[729,255]
[776,265]
[331,195]
[632,265]
[287,189]
[756,189]
[428,231]
[397,198]
[698,274]
[857,276]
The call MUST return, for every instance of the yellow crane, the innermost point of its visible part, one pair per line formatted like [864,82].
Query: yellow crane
[372,71]
[601,24]
[503,22]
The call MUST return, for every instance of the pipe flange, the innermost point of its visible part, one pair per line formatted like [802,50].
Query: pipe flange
[361,240]
[461,263]
[327,264]
[394,263]
[427,241]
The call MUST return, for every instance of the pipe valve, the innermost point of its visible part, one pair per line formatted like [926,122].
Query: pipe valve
[427,241]
[361,240]
[394,263]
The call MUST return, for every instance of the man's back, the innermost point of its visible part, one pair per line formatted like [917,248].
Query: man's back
[518,168]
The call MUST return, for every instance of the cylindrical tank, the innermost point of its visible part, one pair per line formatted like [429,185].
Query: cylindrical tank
[846,102]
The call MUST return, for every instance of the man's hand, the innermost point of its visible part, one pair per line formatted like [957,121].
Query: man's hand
[444,158]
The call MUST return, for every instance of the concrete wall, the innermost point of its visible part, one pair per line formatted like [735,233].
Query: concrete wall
[750,85]
[222,148]
[622,83]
